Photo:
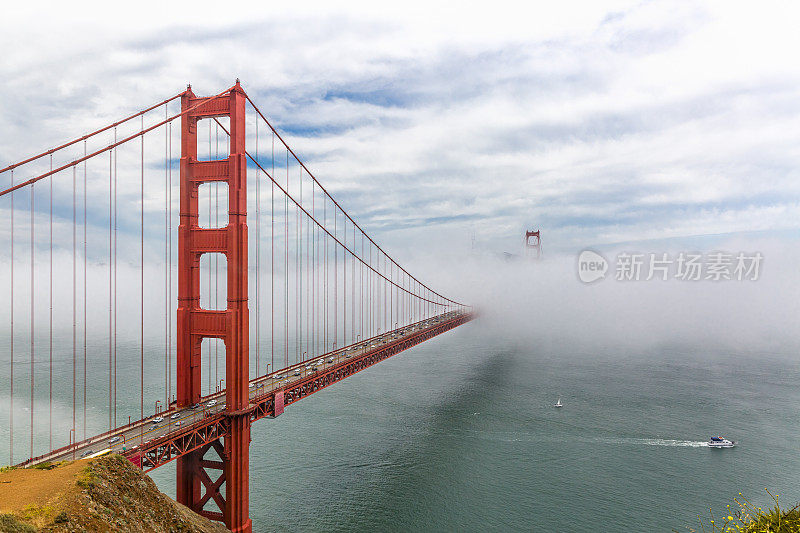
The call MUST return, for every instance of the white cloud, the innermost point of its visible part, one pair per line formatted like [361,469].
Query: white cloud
[592,121]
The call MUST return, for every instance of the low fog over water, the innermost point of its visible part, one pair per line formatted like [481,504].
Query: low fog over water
[546,302]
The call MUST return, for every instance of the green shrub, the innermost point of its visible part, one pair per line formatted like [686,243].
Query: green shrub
[47,465]
[9,524]
[751,519]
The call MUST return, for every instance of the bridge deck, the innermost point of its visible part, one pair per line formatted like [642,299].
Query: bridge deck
[149,443]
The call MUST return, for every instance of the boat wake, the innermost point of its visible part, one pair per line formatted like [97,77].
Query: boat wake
[626,441]
[656,442]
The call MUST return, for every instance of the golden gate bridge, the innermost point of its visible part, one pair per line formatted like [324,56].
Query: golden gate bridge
[92,246]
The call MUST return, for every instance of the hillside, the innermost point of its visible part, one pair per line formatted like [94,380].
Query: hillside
[97,495]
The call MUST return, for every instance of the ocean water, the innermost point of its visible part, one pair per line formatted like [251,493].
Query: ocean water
[459,434]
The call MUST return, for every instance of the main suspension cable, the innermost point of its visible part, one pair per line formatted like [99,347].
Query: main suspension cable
[322,188]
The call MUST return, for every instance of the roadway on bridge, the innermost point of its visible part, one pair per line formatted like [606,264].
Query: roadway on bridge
[162,424]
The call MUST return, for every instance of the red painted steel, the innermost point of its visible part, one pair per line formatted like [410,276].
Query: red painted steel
[194,323]
[278,407]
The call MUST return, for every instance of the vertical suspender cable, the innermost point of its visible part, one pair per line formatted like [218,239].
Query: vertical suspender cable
[403,316]
[297,282]
[115,281]
[385,288]
[344,283]
[110,293]
[50,324]
[335,281]
[210,270]
[378,294]
[74,294]
[169,264]
[361,286]
[308,281]
[353,289]
[258,259]
[141,293]
[299,276]
[216,260]
[166,270]
[391,296]
[85,312]
[314,274]
[272,261]
[396,297]
[325,283]
[33,323]
[286,268]
[11,336]
[378,302]
[371,282]
[318,323]
[300,266]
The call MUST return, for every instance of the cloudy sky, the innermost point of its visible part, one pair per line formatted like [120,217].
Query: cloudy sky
[597,123]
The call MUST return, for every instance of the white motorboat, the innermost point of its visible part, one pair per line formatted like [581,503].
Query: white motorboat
[720,442]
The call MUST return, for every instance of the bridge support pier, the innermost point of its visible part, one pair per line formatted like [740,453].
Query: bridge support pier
[188,487]
[231,325]
[237,475]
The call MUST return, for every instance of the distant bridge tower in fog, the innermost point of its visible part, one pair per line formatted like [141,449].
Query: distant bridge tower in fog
[533,244]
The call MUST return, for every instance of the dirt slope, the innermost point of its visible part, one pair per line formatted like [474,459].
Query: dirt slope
[97,495]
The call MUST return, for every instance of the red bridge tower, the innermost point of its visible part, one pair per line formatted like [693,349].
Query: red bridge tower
[231,325]
[533,242]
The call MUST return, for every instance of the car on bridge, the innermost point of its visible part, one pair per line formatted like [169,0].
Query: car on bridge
[176,415]
[157,419]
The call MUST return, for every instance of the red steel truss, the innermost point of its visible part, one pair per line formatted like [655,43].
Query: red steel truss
[198,436]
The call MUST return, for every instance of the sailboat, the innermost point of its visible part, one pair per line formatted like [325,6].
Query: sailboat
[558,403]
